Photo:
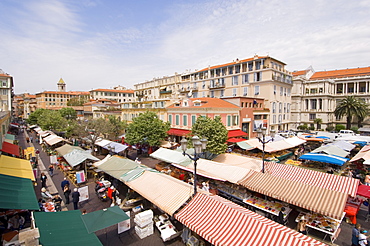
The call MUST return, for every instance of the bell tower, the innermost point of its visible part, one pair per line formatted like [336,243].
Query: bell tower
[61,85]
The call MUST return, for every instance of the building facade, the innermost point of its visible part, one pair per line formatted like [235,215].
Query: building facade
[6,91]
[119,94]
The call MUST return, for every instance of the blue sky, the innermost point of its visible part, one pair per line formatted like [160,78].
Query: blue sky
[104,43]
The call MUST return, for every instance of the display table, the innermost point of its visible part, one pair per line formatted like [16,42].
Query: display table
[165,227]
[322,223]
[352,207]
[271,207]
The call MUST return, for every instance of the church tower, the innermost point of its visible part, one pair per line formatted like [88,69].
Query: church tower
[61,85]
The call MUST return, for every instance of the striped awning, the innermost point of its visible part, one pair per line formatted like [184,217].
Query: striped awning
[166,192]
[323,201]
[324,180]
[53,139]
[225,223]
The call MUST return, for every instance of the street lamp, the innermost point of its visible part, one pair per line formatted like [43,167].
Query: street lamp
[199,145]
[261,135]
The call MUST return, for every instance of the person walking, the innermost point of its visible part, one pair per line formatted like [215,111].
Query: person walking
[67,192]
[64,183]
[75,198]
[43,180]
[356,234]
[51,170]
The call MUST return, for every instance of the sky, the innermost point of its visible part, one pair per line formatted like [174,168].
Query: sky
[95,44]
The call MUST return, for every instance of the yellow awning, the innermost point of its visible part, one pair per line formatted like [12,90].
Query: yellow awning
[16,167]
[29,152]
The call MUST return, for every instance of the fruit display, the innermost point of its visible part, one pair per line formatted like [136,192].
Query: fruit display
[270,206]
[292,162]
[318,221]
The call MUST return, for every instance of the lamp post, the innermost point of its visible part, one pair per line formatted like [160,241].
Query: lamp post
[199,145]
[261,135]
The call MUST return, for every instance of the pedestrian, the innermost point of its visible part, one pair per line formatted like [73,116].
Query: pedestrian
[296,153]
[27,139]
[115,193]
[43,180]
[362,238]
[75,198]
[51,170]
[356,234]
[281,216]
[57,203]
[45,194]
[64,182]
[67,192]
[31,139]
[301,226]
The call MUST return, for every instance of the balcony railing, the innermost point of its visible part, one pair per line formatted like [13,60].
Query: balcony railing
[217,85]
[165,92]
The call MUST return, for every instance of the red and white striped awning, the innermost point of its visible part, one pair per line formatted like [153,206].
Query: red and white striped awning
[225,223]
[324,180]
[323,201]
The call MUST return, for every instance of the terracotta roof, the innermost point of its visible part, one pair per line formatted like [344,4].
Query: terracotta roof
[298,73]
[109,102]
[231,63]
[5,75]
[208,102]
[112,90]
[343,73]
[65,92]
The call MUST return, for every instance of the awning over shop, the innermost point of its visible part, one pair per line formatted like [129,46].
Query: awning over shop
[306,196]
[178,132]
[331,150]
[17,193]
[115,147]
[64,228]
[103,142]
[331,159]
[37,129]
[365,155]
[101,219]
[275,146]
[9,141]
[235,140]
[344,145]
[116,166]
[10,136]
[53,139]
[16,167]
[236,133]
[166,192]
[364,190]
[240,161]
[9,148]
[171,156]
[45,133]
[222,222]
[244,145]
[76,157]
[310,177]
[65,149]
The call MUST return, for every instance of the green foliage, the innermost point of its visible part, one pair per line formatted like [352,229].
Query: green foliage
[68,113]
[51,119]
[117,127]
[311,128]
[339,127]
[78,101]
[302,127]
[214,131]
[91,129]
[329,128]
[147,128]
[318,122]
[34,116]
[354,129]
[349,107]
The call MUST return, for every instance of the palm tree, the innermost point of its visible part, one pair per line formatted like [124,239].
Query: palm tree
[349,107]
[318,122]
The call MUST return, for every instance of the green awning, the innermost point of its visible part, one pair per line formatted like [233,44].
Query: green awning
[17,193]
[116,166]
[245,146]
[101,219]
[10,136]
[64,228]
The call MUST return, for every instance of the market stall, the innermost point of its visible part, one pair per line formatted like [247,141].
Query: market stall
[352,208]
[270,207]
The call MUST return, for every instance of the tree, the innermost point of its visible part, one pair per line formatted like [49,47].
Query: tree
[68,113]
[92,129]
[349,107]
[214,131]
[34,116]
[147,128]
[318,122]
[117,126]
[78,101]
[339,127]
[51,119]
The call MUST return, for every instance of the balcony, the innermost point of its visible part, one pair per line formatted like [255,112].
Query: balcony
[189,88]
[216,86]
[165,92]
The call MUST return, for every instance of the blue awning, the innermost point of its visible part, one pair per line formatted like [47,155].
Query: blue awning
[332,159]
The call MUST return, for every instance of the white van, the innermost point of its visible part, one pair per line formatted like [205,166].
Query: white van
[343,133]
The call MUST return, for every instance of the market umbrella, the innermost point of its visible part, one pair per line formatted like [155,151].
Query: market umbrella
[331,150]
[101,219]
[332,159]
[363,190]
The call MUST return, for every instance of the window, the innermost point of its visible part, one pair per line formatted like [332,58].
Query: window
[258,117]
[307,91]
[321,90]
[222,93]
[306,100]
[234,92]
[312,116]
[320,103]
[280,118]
[193,119]
[177,119]
[288,108]
[185,120]
[245,91]
[274,107]
[212,94]
[235,80]
[288,92]
[256,90]
[229,120]
[281,91]
[274,89]
[313,91]
[284,108]
[258,76]
[245,78]
[204,84]
[250,66]
[3,83]
[230,70]
[313,103]
[284,91]
[274,119]
[280,107]
[235,120]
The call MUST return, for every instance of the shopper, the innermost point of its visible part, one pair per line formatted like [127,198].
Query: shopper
[67,192]
[75,198]
[301,226]
[355,234]
[43,180]
[51,170]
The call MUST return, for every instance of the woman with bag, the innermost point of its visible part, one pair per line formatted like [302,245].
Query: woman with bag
[67,192]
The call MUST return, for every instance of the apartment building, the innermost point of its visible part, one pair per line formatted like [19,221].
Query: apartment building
[119,94]
[24,105]
[316,94]
[6,91]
